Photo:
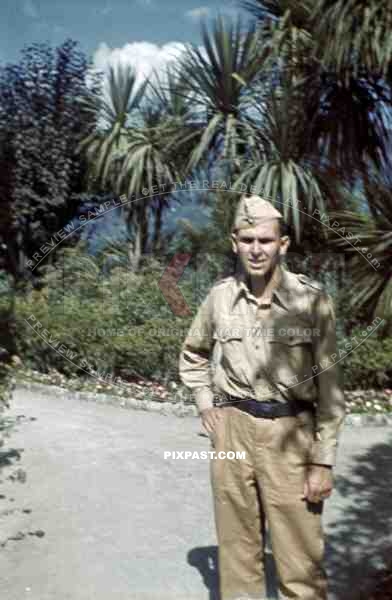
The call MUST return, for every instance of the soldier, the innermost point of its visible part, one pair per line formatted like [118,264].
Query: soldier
[273,394]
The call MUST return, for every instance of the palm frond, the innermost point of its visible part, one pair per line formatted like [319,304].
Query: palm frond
[147,161]
[358,35]
[169,93]
[348,123]
[218,76]
[119,99]
[285,31]
[368,245]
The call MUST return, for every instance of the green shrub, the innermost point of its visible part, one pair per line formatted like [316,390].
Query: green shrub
[89,317]
[120,323]
[152,350]
[369,366]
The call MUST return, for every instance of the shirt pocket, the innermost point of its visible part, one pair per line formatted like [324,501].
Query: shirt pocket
[291,356]
[230,335]
[229,330]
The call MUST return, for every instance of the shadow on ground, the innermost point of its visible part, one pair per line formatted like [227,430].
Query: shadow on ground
[359,542]
[205,560]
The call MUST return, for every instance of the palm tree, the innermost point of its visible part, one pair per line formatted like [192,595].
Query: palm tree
[358,35]
[113,108]
[284,27]
[137,148]
[370,259]
[320,126]
[345,92]
[152,160]
[106,147]
[145,164]
[281,163]
[218,76]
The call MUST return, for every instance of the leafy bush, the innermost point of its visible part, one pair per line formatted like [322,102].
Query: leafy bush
[119,322]
[110,323]
[8,360]
[369,366]
[151,351]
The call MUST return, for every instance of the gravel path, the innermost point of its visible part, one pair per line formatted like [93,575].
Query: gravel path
[103,516]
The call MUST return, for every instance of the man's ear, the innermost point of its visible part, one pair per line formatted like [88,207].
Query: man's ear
[284,245]
[234,243]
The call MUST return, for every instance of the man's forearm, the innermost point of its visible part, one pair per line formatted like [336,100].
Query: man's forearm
[330,410]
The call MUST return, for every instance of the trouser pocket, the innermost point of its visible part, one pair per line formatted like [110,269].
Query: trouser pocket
[217,436]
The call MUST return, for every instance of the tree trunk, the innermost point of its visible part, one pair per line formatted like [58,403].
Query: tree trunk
[139,229]
[143,220]
[134,250]
[156,242]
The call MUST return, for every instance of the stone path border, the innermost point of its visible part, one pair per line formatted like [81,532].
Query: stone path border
[178,409]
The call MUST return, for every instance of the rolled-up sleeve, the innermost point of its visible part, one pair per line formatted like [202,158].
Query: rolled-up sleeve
[194,362]
[330,404]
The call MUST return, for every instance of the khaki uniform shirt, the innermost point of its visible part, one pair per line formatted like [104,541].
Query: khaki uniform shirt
[286,350]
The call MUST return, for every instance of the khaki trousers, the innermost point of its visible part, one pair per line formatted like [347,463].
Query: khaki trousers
[266,487]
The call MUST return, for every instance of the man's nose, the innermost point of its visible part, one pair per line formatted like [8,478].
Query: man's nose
[256,247]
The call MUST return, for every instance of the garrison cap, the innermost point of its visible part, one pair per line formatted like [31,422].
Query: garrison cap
[252,210]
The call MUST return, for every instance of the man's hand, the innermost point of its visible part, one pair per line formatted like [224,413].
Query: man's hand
[319,483]
[210,417]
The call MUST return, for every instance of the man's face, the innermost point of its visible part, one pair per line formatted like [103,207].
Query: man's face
[260,247]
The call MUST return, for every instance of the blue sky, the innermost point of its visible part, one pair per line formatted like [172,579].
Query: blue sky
[104,25]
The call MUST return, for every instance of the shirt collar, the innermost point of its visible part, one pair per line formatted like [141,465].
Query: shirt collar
[281,292]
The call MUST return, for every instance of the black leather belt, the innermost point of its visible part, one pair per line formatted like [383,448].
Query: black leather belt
[270,409]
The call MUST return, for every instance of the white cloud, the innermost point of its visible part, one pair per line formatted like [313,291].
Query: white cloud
[198,13]
[143,56]
[106,10]
[229,9]
[29,9]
